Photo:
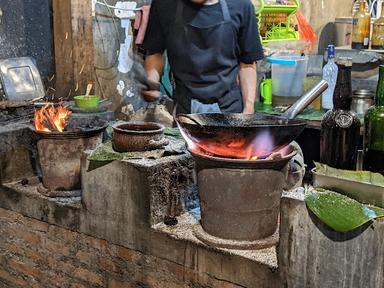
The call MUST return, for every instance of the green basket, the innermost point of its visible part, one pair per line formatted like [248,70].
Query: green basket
[275,21]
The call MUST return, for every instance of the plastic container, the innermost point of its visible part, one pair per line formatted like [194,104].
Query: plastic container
[288,74]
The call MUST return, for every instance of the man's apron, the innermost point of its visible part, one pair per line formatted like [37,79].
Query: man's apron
[205,65]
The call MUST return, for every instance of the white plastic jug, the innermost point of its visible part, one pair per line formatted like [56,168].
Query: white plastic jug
[288,74]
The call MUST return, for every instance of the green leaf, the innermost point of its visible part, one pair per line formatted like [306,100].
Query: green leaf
[340,212]
[358,176]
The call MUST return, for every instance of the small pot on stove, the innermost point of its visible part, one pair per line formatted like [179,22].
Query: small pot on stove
[138,136]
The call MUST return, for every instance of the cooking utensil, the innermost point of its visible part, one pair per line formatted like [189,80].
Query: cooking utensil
[138,136]
[244,136]
[89,88]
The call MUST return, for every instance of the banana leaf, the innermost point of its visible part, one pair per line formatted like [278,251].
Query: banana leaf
[340,212]
[358,176]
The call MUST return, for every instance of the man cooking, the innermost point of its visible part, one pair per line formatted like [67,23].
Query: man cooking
[212,47]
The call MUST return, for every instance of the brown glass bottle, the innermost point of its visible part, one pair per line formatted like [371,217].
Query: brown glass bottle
[361,26]
[378,32]
[340,127]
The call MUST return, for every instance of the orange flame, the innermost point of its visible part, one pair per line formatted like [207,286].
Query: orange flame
[49,118]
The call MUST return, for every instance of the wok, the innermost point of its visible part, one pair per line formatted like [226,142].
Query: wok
[246,136]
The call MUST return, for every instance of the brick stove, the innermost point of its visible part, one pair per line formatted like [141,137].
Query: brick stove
[118,223]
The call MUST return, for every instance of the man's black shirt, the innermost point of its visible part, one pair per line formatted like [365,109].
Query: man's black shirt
[242,12]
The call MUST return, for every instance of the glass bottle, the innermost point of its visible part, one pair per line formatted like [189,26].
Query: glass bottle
[361,26]
[378,32]
[340,127]
[374,131]
[329,75]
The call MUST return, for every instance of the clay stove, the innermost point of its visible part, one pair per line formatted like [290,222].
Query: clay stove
[240,199]
[62,141]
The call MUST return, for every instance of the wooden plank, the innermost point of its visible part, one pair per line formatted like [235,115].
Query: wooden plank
[73,38]
[82,38]
[62,27]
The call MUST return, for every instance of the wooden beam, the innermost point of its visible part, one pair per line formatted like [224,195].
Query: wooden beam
[62,28]
[82,39]
[73,39]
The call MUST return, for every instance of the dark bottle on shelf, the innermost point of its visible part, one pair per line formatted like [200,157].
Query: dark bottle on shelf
[374,131]
[340,127]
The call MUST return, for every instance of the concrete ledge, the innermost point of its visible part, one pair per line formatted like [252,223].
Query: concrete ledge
[124,203]
[312,255]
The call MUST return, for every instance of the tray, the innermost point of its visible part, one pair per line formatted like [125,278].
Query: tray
[360,191]
[21,79]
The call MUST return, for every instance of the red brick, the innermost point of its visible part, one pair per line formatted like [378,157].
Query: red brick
[77,285]
[39,225]
[12,248]
[21,233]
[63,234]
[56,247]
[106,264]
[35,256]
[9,215]
[84,257]
[112,283]
[58,281]
[88,276]
[26,269]
[127,254]
[14,280]
[60,266]
[100,244]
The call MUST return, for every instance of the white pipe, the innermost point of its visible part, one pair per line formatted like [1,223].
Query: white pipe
[116,8]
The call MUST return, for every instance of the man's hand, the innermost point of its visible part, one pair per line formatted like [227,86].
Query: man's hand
[153,66]
[150,92]
[147,74]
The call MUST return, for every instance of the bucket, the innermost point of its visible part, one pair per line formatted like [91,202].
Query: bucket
[288,74]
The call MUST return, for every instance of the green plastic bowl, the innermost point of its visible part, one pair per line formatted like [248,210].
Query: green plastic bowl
[87,102]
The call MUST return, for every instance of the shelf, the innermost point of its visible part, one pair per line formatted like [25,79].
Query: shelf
[349,48]
[277,9]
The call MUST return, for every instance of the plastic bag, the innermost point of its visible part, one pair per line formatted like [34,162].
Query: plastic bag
[306,31]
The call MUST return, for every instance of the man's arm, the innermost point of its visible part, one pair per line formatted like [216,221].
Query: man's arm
[248,82]
[153,66]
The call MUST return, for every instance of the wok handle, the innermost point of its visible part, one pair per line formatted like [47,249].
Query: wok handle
[190,118]
[305,100]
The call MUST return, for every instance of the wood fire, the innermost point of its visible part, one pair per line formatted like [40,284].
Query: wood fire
[49,118]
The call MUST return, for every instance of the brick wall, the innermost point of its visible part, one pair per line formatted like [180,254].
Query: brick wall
[36,254]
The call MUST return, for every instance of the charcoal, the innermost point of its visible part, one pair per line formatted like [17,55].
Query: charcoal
[82,124]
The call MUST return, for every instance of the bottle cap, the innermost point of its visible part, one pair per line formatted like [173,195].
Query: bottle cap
[331,51]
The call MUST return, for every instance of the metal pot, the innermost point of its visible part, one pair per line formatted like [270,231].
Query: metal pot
[361,101]
[138,136]
[343,26]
